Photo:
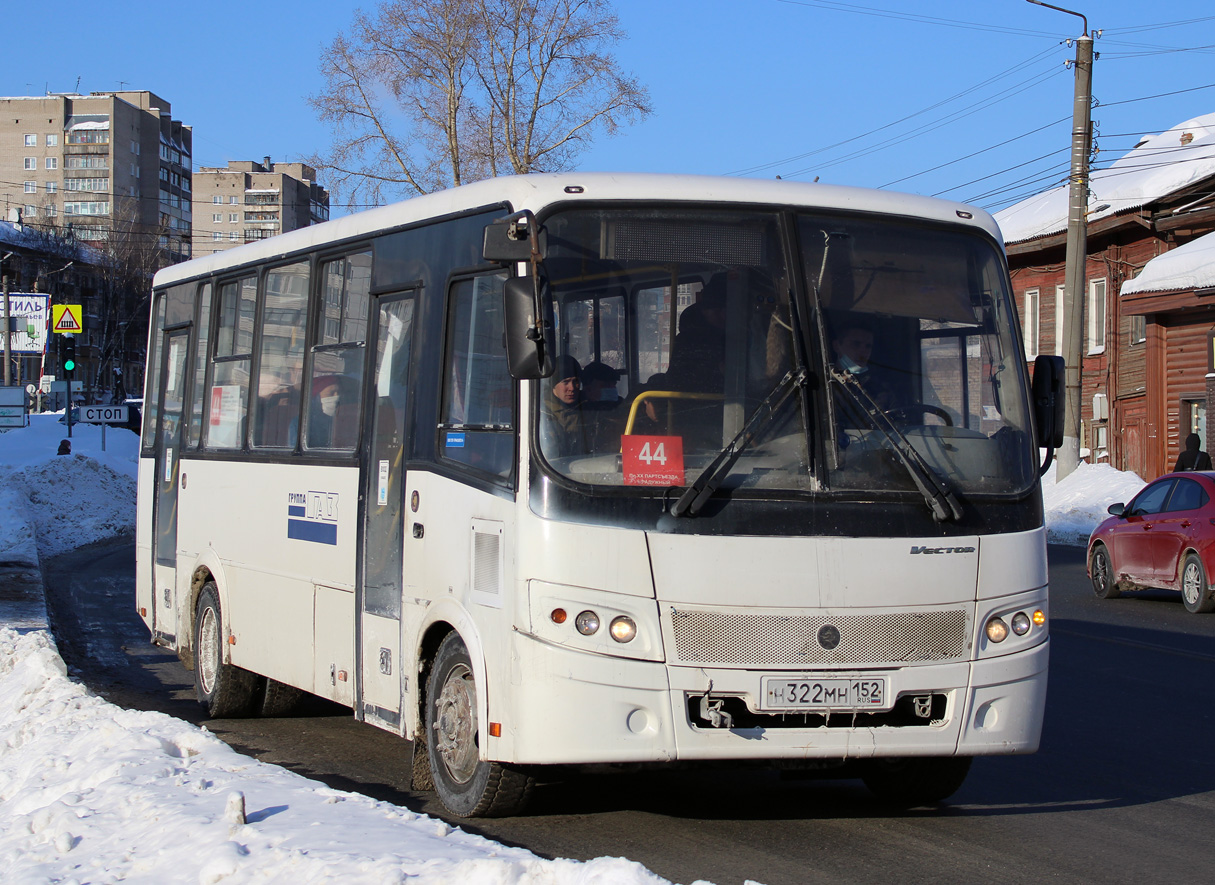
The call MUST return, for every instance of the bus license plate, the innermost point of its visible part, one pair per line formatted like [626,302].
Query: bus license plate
[846,693]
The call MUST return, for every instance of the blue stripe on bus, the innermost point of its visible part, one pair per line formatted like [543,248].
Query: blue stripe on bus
[316,532]
[295,511]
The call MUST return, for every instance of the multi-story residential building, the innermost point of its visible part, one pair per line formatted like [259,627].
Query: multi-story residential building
[250,201]
[108,164]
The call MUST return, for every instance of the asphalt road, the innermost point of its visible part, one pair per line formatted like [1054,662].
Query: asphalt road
[1123,789]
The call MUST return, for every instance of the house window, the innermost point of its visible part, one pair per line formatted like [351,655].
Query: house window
[1096,316]
[49,210]
[233,217]
[52,162]
[31,140]
[31,187]
[217,200]
[52,140]
[1060,312]
[216,236]
[31,162]
[30,211]
[1031,323]
[232,200]
[52,187]
[1138,330]
[217,217]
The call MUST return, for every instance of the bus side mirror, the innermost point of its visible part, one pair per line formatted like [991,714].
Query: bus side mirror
[508,240]
[1050,400]
[528,337]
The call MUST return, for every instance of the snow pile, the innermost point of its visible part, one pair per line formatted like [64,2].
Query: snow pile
[72,500]
[90,792]
[1077,505]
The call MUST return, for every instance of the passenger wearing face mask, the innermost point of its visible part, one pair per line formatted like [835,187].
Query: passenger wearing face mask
[321,417]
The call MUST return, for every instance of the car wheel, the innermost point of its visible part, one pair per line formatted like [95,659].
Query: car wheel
[1101,570]
[228,692]
[908,782]
[467,785]
[1195,592]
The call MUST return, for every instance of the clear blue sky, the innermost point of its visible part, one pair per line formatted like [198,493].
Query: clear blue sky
[875,92]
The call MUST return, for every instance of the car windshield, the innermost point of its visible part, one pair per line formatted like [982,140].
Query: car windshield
[674,329]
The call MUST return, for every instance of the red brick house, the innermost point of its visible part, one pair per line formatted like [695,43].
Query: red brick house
[1146,347]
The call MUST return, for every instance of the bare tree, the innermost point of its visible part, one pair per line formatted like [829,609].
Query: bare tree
[436,93]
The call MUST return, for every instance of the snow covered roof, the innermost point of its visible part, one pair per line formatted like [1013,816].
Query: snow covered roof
[1191,266]
[1158,165]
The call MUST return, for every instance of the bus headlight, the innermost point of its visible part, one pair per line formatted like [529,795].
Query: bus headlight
[997,630]
[1020,623]
[622,628]
[587,623]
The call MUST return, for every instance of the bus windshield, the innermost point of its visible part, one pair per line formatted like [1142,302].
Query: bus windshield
[890,344]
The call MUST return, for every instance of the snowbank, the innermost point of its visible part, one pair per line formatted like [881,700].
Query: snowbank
[73,499]
[1078,505]
[90,792]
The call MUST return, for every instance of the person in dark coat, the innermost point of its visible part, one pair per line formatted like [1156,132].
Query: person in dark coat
[1192,458]
[562,427]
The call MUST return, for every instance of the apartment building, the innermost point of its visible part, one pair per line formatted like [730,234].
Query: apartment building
[250,201]
[106,164]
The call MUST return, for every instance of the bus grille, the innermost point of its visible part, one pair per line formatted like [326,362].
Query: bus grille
[708,637]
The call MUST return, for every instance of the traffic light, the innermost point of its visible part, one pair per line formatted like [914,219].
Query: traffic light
[67,353]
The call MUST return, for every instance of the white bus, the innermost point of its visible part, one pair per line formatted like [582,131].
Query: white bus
[587,469]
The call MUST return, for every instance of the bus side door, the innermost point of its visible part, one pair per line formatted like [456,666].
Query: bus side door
[169,437]
[383,483]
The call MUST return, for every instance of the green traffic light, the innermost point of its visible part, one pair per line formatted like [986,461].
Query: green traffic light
[69,365]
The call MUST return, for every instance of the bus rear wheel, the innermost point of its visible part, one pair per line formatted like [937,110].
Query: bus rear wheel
[228,692]
[467,785]
[908,782]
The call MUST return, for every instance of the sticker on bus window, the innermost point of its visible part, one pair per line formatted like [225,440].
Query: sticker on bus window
[652,460]
[382,492]
[455,440]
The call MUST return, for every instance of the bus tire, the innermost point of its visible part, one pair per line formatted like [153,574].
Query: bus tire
[280,699]
[467,785]
[1195,591]
[908,782]
[228,692]
[1101,570]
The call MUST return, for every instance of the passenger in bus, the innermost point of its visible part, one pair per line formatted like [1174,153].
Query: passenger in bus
[698,354]
[602,411]
[330,422]
[562,426]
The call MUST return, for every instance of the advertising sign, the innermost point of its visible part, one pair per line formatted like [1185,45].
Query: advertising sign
[31,314]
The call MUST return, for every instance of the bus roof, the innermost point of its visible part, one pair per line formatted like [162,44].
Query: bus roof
[538,191]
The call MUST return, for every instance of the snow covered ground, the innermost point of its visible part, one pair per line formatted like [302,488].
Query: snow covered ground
[90,792]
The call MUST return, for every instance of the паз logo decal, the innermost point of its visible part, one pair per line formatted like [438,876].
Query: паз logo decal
[312,516]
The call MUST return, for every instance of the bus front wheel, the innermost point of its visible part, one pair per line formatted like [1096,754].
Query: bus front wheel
[908,782]
[467,785]
[225,690]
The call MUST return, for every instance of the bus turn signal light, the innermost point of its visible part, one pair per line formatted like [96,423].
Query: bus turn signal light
[558,616]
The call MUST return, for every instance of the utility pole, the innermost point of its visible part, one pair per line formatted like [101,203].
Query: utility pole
[1068,456]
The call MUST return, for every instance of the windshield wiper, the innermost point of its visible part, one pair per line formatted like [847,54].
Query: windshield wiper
[711,478]
[932,485]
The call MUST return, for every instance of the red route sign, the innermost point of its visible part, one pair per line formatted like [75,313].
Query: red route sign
[652,460]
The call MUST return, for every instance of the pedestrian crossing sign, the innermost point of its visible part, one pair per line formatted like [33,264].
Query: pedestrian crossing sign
[66,319]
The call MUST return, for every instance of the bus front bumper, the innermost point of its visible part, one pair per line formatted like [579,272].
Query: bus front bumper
[577,708]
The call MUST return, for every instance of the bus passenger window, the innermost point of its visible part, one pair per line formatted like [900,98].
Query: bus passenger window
[228,400]
[478,403]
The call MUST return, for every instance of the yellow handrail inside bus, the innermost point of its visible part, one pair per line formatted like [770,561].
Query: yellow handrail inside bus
[668,395]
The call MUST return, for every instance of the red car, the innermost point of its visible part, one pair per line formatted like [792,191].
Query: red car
[1164,538]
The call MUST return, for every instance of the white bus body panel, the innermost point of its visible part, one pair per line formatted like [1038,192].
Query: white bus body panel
[574,706]
[236,518]
[144,603]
